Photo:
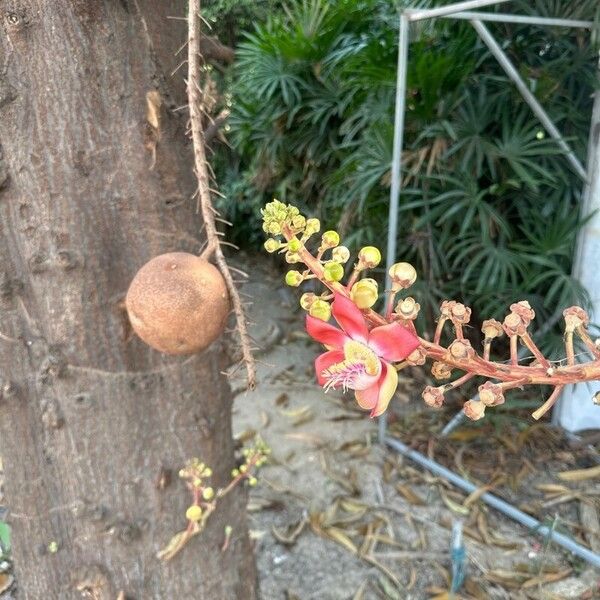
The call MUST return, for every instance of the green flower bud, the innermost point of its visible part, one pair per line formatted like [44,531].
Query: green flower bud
[330,239]
[294,245]
[272,245]
[320,309]
[369,257]
[294,278]
[364,293]
[333,271]
[252,481]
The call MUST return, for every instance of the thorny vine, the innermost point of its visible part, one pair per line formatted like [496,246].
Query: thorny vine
[213,249]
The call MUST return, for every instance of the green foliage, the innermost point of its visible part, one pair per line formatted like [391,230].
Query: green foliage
[489,203]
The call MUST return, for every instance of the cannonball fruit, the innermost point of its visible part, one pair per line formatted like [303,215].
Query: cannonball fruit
[178,303]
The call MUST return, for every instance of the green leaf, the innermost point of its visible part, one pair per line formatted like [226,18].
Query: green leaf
[5,537]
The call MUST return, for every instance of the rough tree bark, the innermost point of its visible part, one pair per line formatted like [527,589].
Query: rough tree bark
[91,421]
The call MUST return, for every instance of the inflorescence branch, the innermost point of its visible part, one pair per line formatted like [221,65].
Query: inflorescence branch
[291,232]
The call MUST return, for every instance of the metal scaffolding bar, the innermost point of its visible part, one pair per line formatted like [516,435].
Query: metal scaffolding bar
[460,10]
[520,19]
[531,100]
[441,11]
[400,110]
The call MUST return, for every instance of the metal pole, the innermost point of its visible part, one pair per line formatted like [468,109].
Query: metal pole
[535,106]
[419,15]
[403,39]
[523,19]
[497,503]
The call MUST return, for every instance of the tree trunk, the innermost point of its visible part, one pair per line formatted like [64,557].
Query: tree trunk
[92,421]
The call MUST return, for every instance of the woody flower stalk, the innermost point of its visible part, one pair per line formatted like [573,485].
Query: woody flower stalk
[365,352]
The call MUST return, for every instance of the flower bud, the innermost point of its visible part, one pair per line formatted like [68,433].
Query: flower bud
[474,409]
[492,329]
[459,313]
[208,493]
[298,222]
[274,228]
[312,226]
[417,357]
[364,293]
[403,275]
[369,257]
[575,317]
[333,271]
[292,258]
[294,278]
[330,239]
[272,245]
[408,309]
[491,394]
[341,254]
[461,350]
[433,396]
[320,309]
[513,325]
[441,370]
[294,244]
[307,300]
[446,308]
[193,513]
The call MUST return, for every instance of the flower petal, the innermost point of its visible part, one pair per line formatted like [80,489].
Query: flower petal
[393,342]
[387,387]
[350,319]
[325,333]
[324,361]
[367,399]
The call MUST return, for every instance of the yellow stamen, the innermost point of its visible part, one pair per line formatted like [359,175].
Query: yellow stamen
[355,352]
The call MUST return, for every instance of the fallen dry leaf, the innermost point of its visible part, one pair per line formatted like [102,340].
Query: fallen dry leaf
[580,474]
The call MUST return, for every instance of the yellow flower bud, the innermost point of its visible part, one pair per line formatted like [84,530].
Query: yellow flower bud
[294,244]
[207,472]
[298,222]
[306,300]
[272,245]
[341,254]
[274,228]
[234,472]
[243,468]
[252,481]
[292,258]
[208,493]
[330,239]
[294,278]
[364,293]
[369,257]
[320,309]
[193,513]
[312,226]
[333,271]
[403,275]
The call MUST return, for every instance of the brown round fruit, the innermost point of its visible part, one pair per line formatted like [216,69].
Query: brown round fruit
[178,303]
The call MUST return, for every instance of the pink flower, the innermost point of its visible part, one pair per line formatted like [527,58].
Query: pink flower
[359,359]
